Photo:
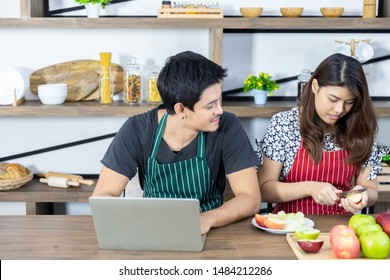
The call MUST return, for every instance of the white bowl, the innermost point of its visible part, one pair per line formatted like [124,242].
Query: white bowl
[364,52]
[52,94]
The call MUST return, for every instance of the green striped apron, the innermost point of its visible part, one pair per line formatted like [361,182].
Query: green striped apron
[189,178]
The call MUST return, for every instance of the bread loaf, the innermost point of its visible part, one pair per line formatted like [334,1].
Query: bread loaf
[12,171]
[3,166]
[17,167]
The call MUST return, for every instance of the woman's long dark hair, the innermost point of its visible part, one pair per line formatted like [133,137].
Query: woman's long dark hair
[356,130]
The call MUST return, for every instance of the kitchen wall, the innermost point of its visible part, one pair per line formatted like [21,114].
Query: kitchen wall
[281,54]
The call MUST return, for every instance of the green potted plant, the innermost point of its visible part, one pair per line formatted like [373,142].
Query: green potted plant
[261,86]
[93,6]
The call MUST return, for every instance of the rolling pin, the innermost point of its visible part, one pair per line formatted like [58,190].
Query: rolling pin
[59,182]
[71,177]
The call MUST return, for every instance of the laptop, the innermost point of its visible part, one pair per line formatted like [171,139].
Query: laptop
[138,223]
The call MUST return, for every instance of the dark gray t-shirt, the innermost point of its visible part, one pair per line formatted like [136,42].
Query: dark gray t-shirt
[227,149]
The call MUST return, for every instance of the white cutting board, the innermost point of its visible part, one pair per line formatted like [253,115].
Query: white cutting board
[11,80]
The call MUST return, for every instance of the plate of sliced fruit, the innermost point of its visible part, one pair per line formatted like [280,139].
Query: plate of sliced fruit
[282,223]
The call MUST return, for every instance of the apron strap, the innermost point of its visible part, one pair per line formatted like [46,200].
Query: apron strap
[158,135]
[201,153]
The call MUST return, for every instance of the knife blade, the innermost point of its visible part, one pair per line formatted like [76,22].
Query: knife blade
[347,193]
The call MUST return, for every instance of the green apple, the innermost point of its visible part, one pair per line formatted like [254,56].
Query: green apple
[358,219]
[363,228]
[307,233]
[375,245]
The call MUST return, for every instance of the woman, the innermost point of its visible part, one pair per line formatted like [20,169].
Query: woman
[186,147]
[323,146]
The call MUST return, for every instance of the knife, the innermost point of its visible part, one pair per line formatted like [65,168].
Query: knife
[347,193]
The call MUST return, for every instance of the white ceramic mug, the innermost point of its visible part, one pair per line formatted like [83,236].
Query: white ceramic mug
[364,52]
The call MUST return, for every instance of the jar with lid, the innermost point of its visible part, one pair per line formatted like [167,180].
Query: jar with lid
[153,93]
[166,4]
[132,82]
[303,79]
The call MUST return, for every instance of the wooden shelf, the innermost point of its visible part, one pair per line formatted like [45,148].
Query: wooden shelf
[265,23]
[39,197]
[243,109]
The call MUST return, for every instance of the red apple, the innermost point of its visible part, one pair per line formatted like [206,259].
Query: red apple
[260,219]
[378,218]
[386,227]
[339,229]
[381,215]
[310,245]
[385,219]
[346,246]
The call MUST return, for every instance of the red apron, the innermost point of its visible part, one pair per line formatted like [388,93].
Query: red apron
[332,169]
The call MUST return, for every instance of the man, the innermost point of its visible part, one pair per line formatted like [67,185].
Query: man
[186,147]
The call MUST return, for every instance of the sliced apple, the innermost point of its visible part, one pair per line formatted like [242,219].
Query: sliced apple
[260,219]
[307,233]
[310,246]
[274,223]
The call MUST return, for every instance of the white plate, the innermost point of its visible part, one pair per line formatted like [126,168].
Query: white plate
[307,223]
[10,80]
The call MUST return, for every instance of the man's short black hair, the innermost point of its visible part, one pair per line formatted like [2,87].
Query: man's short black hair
[184,78]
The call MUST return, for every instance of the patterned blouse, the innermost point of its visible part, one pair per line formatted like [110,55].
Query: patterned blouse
[282,141]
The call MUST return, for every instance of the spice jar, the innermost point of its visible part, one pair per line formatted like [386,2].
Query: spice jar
[303,79]
[153,93]
[132,82]
[166,4]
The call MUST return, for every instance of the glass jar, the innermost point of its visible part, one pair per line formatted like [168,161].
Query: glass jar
[166,5]
[153,93]
[303,79]
[132,82]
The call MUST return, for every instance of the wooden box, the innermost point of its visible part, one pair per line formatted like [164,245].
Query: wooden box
[190,13]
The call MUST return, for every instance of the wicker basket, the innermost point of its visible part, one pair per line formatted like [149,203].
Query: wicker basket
[17,183]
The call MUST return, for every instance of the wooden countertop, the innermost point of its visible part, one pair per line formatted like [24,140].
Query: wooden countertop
[244,109]
[73,237]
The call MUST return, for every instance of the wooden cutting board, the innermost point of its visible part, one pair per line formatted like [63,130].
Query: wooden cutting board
[81,76]
[325,253]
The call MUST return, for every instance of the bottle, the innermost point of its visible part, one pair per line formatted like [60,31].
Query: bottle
[105,82]
[153,94]
[303,79]
[369,9]
[132,82]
